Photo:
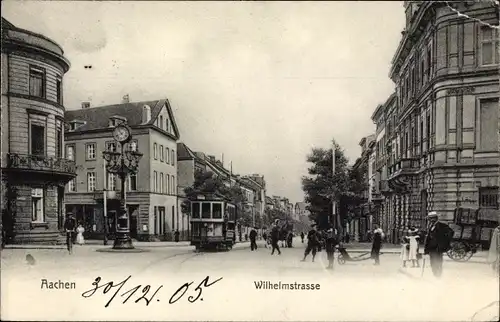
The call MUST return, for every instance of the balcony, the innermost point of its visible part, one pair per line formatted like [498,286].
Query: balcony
[401,171]
[58,169]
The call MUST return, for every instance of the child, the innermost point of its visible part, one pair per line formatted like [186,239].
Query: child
[405,249]
[413,247]
[79,237]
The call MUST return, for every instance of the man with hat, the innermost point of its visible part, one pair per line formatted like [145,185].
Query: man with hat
[330,243]
[437,242]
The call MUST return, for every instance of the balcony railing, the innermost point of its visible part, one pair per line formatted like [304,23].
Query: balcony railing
[41,163]
[406,165]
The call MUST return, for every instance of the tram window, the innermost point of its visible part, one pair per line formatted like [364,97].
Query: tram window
[231,214]
[196,210]
[217,211]
[205,210]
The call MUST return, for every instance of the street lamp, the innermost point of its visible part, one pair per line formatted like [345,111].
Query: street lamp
[122,163]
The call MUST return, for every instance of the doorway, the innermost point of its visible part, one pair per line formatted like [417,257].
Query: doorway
[133,211]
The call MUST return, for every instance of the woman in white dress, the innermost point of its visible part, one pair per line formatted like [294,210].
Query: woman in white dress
[413,251]
[79,236]
[405,249]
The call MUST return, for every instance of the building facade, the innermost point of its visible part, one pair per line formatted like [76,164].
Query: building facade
[151,193]
[34,170]
[362,219]
[441,126]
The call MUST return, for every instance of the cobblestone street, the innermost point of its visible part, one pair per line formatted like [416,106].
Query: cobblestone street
[378,289]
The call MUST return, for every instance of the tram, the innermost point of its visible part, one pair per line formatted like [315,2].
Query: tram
[213,224]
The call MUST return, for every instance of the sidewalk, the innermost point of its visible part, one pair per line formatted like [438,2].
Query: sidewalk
[94,243]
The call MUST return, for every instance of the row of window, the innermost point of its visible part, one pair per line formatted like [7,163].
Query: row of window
[164,183]
[38,84]
[166,126]
[166,155]
[111,182]
[91,150]
[421,70]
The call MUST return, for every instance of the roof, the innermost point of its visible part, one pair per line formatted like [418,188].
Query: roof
[184,153]
[98,117]
[7,25]
[301,205]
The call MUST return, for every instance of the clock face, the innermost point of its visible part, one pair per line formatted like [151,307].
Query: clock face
[121,133]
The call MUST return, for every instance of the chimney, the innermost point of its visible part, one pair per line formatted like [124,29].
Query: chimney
[126,99]
[146,114]
[85,105]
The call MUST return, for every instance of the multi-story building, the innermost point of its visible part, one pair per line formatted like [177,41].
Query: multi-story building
[253,186]
[380,192]
[442,127]
[34,170]
[362,220]
[151,193]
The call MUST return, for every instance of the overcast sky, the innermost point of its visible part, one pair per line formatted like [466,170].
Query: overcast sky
[261,82]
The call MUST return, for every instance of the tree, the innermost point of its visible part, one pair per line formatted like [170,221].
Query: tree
[321,186]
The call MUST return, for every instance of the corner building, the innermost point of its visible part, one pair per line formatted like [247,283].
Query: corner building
[34,170]
[443,153]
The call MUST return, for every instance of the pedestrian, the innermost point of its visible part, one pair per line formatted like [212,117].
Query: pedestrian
[312,244]
[302,236]
[264,236]
[378,236]
[331,242]
[494,251]
[437,242]
[253,237]
[405,250]
[413,247]
[246,236]
[176,235]
[275,235]
[289,239]
[69,227]
[79,234]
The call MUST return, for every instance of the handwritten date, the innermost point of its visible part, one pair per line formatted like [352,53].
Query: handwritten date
[143,296]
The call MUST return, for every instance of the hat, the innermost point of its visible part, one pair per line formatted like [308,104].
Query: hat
[432,214]
[412,231]
[329,230]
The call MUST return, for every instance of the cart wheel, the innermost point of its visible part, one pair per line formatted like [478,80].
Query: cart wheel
[341,260]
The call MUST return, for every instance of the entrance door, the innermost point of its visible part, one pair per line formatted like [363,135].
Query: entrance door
[133,213]
[161,215]
[89,221]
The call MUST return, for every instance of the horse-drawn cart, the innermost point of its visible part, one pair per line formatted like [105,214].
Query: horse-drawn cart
[473,230]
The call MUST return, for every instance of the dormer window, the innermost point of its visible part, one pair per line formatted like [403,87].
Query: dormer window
[116,120]
[75,124]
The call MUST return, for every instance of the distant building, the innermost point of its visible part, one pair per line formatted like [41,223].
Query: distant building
[151,193]
[362,218]
[34,168]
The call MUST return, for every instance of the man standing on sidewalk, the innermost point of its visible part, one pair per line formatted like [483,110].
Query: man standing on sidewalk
[253,238]
[378,237]
[437,242]
[275,236]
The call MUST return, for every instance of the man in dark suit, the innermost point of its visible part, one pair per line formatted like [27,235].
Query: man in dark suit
[330,243]
[437,242]
[253,238]
[275,236]
[312,244]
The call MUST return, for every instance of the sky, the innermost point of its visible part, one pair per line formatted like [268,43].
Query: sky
[260,82]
